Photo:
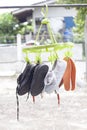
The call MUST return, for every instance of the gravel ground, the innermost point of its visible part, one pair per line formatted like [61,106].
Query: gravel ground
[45,114]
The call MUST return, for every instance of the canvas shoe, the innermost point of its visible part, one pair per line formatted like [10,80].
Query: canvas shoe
[37,84]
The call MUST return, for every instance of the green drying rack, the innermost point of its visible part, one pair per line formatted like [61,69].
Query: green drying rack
[53,48]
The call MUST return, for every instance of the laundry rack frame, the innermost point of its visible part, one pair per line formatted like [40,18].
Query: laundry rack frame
[53,47]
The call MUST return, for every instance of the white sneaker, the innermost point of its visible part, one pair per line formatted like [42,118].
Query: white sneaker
[54,77]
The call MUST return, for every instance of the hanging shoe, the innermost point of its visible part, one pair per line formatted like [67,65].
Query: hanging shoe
[53,78]
[37,84]
[24,80]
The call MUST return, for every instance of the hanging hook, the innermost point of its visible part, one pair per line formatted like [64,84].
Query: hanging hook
[38,58]
[44,12]
[27,58]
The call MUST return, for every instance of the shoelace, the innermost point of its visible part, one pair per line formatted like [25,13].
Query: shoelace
[17,105]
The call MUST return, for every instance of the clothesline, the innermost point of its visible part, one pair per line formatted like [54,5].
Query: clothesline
[56,5]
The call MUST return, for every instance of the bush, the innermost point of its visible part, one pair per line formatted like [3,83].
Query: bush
[7,39]
[78,38]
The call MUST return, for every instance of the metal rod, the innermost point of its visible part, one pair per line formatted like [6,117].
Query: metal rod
[54,5]
[86,45]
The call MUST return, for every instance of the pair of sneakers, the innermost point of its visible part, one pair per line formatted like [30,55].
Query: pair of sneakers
[31,80]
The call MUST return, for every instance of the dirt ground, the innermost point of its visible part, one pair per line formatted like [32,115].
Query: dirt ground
[45,114]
